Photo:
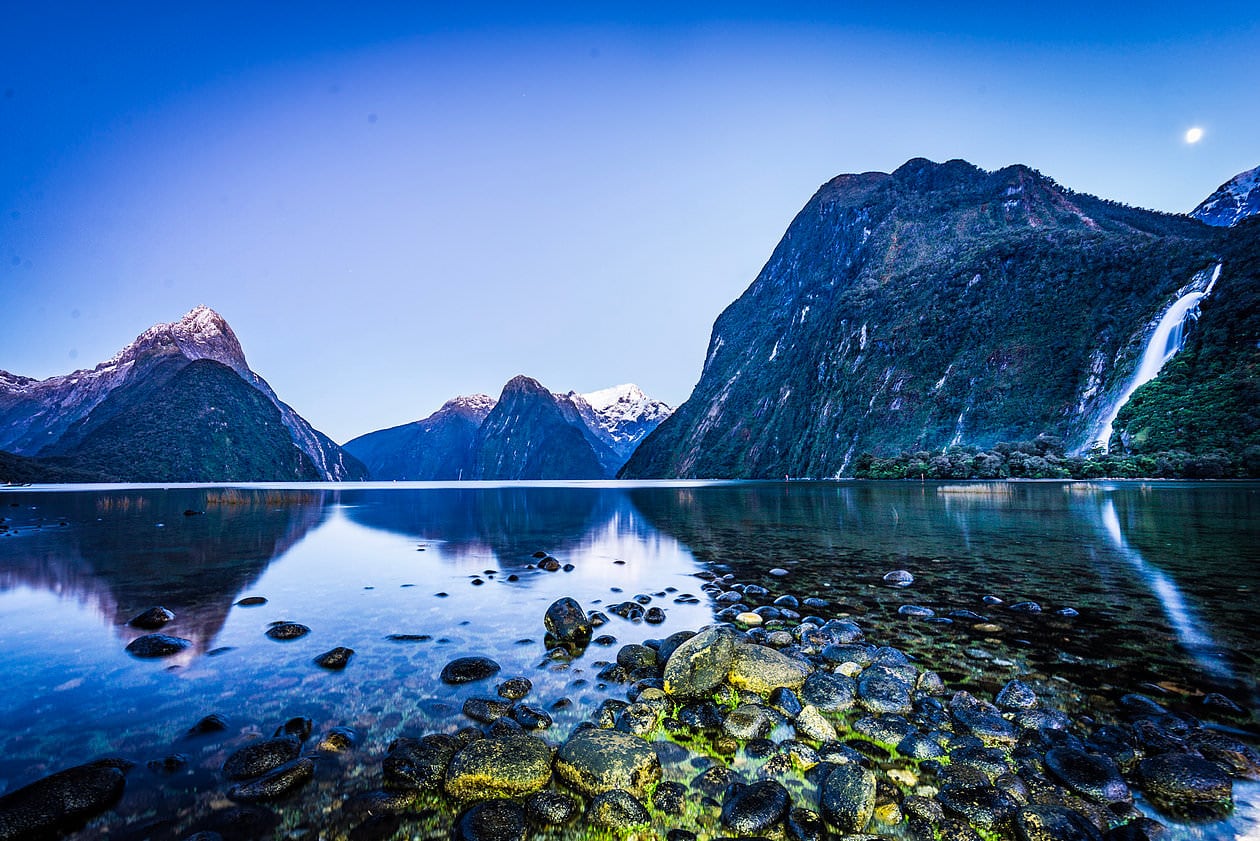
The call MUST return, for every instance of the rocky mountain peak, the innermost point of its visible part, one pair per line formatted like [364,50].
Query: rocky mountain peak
[200,334]
[1232,202]
[470,405]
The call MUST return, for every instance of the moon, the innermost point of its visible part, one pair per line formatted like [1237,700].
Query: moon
[1194,135]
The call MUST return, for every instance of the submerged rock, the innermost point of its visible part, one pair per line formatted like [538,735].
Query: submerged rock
[551,808]
[617,810]
[275,783]
[594,761]
[257,758]
[157,645]
[493,820]
[469,669]
[1182,784]
[1096,777]
[755,808]
[62,800]
[1054,823]
[847,797]
[419,764]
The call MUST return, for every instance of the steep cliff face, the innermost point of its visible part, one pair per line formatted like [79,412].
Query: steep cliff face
[936,305]
[54,417]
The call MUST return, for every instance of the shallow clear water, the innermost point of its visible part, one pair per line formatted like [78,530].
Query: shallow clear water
[1164,577]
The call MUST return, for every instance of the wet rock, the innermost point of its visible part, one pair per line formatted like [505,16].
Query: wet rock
[285,631]
[567,622]
[898,578]
[755,808]
[786,701]
[747,617]
[805,825]
[829,692]
[1016,695]
[170,764]
[336,659]
[670,798]
[1216,702]
[337,740]
[469,669]
[531,717]
[617,810]
[299,727]
[419,764]
[1054,823]
[486,710]
[275,783]
[514,688]
[492,820]
[241,823]
[509,766]
[595,761]
[151,619]
[1229,754]
[882,691]
[749,721]
[551,808]
[916,611]
[1093,776]
[980,803]
[982,719]
[213,723]
[257,758]
[157,645]
[700,664]
[61,801]
[1025,607]
[1181,784]
[1138,829]
[759,669]
[637,718]
[811,724]
[654,616]
[251,601]
[847,798]
[636,656]
[920,746]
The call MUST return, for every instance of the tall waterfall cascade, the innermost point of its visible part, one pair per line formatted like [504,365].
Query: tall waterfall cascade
[1162,345]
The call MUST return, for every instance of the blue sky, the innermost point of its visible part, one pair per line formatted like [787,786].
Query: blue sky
[393,204]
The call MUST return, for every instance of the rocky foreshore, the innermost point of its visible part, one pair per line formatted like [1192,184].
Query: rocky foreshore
[773,723]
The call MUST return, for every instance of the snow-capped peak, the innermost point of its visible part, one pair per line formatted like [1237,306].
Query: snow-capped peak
[201,334]
[474,405]
[623,415]
[1233,201]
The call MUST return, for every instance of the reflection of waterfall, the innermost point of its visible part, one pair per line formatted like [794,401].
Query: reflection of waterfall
[1167,339]
[1188,627]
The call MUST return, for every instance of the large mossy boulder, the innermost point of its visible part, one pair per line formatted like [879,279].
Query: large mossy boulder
[760,669]
[594,761]
[699,665]
[847,797]
[505,766]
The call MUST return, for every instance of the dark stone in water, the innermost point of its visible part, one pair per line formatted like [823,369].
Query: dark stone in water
[1016,695]
[514,688]
[409,637]
[377,827]
[336,659]
[486,710]
[531,717]
[469,669]
[829,692]
[505,766]
[1138,829]
[1093,776]
[419,764]
[251,601]
[981,804]
[654,616]
[882,691]
[1054,823]
[257,758]
[551,808]
[567,622]
[1025,607]
[1229,754]
[617,810]
[276,783]
[170,764]
[213,723]
[242,823]
[152,619]
[916,611]
[1182,784]
[805,825]
[61,801]
[898,578]
[670,798]
[636,656]
[299,727]
[338,740]
[785,700]
[700,664]
[285,631]
[594,761]
[156,645]
[492,820]
[755,808]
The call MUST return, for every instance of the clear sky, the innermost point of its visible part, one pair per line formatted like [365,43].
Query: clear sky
[392,204]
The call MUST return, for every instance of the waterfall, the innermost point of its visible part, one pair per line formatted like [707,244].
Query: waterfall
[1162,345]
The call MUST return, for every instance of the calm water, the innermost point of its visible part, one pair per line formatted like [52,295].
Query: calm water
[1164,577]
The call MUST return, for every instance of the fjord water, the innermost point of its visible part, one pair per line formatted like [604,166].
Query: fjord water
[1164,577]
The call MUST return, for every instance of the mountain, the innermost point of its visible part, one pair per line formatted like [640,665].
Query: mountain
[939,305]
[528,433]
[534,434]
[436,448]
[56,417]
[1235,200]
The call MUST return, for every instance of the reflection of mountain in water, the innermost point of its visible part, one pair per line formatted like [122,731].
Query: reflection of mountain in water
[125,551]
[511,522]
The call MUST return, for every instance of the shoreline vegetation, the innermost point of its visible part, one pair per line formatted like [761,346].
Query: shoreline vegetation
[1046,458]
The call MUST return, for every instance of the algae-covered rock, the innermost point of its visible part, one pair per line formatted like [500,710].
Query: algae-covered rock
[594,761]
[506,766]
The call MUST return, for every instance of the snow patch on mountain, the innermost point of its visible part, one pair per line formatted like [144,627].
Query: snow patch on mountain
[622,415]
[1234,201]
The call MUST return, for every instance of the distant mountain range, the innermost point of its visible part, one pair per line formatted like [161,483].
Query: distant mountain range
[937,306]
[177,404]
[528,433]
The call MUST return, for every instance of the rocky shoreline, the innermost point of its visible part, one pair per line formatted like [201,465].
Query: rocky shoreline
[774,722]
